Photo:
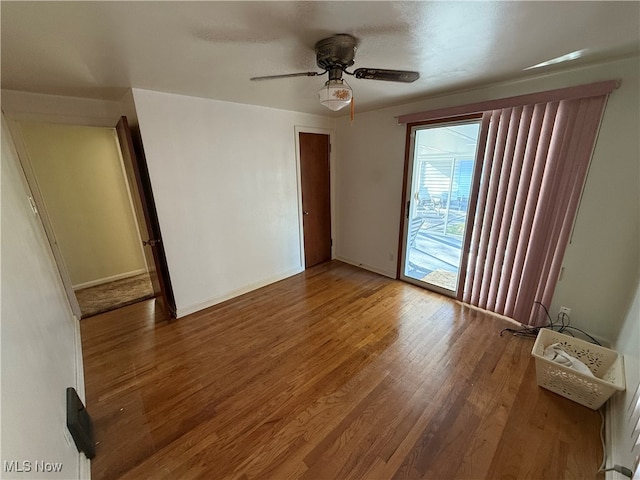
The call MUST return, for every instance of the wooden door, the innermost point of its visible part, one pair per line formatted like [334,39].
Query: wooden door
[316,197]
[147,218]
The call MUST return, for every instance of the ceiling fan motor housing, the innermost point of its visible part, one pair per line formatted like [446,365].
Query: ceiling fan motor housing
[336,52]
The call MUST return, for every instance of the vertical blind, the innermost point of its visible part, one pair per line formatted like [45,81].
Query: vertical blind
[533,169]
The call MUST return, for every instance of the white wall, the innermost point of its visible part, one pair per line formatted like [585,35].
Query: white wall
[39,338]
[369,190]
[622,405]
[602,262]
[224,179]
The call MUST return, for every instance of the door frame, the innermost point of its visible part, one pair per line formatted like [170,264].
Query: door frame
[406,205]
[322,131]
[42,213]
[13,123]
[135,164]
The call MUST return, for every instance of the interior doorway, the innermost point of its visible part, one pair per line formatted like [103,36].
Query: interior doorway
[315,175]
[86,201]
[438,191]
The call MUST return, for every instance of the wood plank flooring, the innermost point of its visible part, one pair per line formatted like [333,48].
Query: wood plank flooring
[335,373]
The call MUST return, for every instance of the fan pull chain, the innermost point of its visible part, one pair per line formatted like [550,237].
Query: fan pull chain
[353,109]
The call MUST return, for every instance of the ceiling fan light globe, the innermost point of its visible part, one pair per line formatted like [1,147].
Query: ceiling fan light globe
[334,105]
[335,94]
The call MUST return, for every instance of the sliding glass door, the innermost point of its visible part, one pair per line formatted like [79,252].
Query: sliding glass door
[438,191]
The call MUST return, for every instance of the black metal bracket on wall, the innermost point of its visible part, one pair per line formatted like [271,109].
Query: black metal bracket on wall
[80,424]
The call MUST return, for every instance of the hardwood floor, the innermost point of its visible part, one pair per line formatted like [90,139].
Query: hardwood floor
[336,373]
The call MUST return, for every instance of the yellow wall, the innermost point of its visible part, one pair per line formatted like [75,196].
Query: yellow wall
[79,172]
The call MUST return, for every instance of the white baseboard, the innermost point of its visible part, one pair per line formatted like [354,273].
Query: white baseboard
[367,267]
[608,438]
[84,470]
[79,362]
[84,464]
[188,310]
[112,278]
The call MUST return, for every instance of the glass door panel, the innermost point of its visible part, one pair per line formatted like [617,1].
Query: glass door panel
[438,190]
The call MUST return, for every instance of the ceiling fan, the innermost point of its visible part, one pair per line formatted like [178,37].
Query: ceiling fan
[334,55]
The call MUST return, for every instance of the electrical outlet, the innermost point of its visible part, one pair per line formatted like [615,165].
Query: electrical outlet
[566,311]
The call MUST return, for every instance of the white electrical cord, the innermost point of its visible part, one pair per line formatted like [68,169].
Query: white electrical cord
[618,468]
[604,448]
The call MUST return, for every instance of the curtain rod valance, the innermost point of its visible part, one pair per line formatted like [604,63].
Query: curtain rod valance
[580,91]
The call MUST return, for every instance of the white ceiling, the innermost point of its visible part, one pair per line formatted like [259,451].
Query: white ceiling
[211,49]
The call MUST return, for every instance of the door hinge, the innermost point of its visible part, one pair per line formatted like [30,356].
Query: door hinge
[332,242]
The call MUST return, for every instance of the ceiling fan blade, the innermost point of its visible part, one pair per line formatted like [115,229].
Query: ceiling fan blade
[288,75]
[405,76]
